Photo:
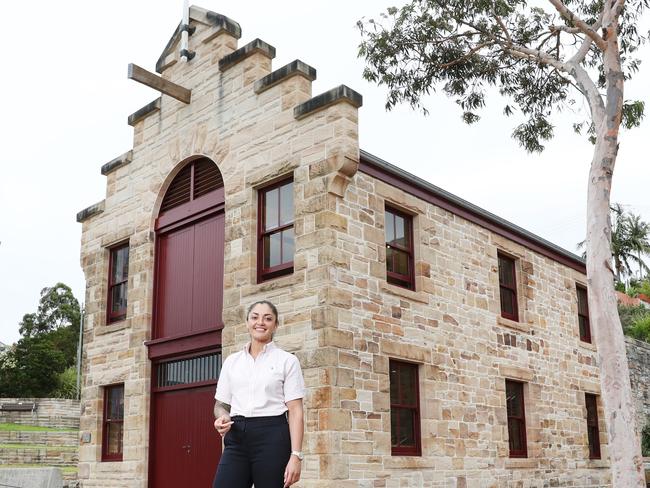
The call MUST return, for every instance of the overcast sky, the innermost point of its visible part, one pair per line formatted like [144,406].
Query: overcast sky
[66,98]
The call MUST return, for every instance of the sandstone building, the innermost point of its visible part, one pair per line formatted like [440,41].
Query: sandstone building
[441,345]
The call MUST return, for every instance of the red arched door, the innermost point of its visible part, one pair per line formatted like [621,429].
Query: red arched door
[186,335]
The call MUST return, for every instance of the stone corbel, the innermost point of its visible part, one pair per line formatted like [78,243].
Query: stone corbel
[343,169]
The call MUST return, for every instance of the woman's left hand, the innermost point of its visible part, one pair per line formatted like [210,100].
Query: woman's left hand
[292,471]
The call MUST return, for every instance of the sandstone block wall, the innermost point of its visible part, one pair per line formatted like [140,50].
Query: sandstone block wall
[338,314]
[451,326]
[253,136]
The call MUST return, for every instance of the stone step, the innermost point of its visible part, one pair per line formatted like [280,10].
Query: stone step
[48,438]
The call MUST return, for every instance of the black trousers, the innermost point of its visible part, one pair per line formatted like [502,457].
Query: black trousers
[256,451]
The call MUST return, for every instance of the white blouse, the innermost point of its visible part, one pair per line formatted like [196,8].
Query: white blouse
[260,387]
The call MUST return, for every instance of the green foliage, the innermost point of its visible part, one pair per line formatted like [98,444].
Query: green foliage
[465,47]
[637,288]
[57,308]
[47,348]
[640,329]
[630,315]
[630,241]
[645,441]
[66,384]
[9,427]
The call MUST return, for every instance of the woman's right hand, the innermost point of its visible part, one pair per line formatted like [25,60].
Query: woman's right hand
[222,424]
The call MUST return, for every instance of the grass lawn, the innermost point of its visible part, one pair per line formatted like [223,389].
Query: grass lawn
[64,469]
[33,428]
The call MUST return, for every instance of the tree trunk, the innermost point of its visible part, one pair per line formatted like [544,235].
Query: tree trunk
[624,442]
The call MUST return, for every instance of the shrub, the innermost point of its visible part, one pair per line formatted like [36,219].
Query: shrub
[67,384]
[640,329]
[630,315]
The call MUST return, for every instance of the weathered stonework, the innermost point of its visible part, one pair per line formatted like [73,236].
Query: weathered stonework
[638,357]
[339,315]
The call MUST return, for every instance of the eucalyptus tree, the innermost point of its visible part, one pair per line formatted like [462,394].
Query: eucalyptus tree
[542,56]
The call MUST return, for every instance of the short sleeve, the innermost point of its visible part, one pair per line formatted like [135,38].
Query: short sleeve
[224,393]
[294,384]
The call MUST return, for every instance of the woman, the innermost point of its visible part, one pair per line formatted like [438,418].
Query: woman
[259,410]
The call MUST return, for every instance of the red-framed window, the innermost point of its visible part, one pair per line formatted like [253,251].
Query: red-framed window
[399,248]
[118,277]
[593,433]
[583,314]
[404,409]
[508,287]
[516,419]
[113,423]
[275,230]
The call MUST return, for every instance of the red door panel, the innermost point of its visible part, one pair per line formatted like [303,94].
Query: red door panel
[175,266]
[207,294]
[190,278]
[185,447]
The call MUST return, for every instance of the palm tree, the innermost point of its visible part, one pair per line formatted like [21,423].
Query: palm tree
[630,242]
[638,233]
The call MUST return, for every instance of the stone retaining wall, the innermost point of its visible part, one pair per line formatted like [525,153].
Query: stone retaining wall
[50,412]
[638,355]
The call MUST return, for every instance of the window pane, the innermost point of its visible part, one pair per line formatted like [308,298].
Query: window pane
[406,427]
[272,250]
[390,226]
[114,436]
[397,261]
[287,246]
[393,427]
[116,403]
[120,271]
[506,272]
[582,302]
[402,232]
[407,384]
[271,209]
[394,383]
[507,301]
[514,397]
[590,403]
[515,435]
[286,204]
[584,327]
[118,298]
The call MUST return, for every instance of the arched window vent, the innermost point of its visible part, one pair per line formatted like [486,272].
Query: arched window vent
[198,178]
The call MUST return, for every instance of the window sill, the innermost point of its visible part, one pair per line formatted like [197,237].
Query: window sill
[588,345]
[511,324]
[597,464]
[113,327]
[417,296]
[272,284]
[521,463]
[400,461]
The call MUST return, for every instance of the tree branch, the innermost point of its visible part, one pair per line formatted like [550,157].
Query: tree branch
[590,91]
[580,24]
[503,28]
[580,55]
[536,55]
[472,51]
[564,28]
